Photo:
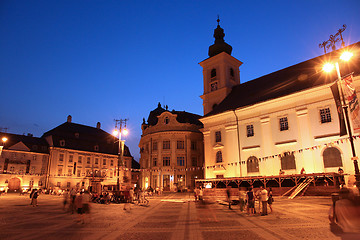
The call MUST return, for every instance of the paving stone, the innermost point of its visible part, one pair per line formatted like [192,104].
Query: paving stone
[231,235]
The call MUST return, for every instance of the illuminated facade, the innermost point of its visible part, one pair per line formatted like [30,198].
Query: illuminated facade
[171,149]
[23,162]
[284,120]
[83,156]
[68,156]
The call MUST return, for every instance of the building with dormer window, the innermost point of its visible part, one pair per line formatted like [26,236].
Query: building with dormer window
[171,149]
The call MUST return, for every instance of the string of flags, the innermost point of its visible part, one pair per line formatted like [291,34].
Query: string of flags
[280,155]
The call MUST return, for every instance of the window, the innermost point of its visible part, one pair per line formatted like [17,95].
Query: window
[194,161]
[68,184]
[88,161]
[325,115]
[219,176]
[96,147]
[180,161]
[80,159]
[214,86]
[288,161]
[34,157]
[232,73]
[252,164]
[12,169]
[213,73]
[31,183]
[154,146]
[58,184]
[154,162]
[77,135]
[166,120]
[62,143]
[96,161]
[59,171]
[32,171]
[104,161]
[166,144]
[40,183]
[218,136]
[166,161]
[180,144]
[61,157]
[193,145]
[284,125]
[250,130]
[332,157]
[69,172]
[111,162]
[78,173]
[219,157]
[71,157]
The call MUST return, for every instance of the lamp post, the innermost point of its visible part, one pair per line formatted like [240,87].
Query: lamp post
[117,132]
[327,68]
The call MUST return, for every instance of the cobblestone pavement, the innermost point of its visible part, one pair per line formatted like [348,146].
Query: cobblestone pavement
[171,216]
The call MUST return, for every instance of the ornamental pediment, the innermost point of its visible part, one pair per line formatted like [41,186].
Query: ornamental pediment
[20,146]
[218,146]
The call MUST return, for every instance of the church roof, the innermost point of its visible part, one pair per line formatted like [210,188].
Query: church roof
[296,78]
[84,138]
[34,144]
[219,45]
[182,116]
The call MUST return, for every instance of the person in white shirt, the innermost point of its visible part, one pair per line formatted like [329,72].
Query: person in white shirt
[263,199]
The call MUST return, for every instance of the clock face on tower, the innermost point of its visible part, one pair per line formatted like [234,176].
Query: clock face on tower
[214,86]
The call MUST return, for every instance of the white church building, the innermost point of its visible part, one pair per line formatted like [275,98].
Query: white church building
[284,123]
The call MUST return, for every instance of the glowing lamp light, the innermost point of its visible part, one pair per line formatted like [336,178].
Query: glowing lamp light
[346,56]
[115,132]
[328,67]
[125,132]
[4,139]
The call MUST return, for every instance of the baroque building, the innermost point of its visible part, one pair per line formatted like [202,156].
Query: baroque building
[285,120]
[171,148]
[69,156]
[23,162]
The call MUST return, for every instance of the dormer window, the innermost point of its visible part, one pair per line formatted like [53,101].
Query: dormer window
[62,143]
[96,147]
[166,120]
[77,135]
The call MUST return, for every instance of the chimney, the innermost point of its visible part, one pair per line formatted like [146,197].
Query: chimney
[69,119]
[98,125]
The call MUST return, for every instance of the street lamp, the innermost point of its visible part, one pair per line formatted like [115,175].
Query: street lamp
[345,56]
[119,130]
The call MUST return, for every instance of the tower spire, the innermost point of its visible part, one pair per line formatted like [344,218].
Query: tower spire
[220,45]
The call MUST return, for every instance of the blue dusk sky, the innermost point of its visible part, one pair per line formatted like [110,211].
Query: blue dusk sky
[103,60]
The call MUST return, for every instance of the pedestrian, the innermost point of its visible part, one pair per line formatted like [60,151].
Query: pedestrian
[33,196]
[242,199]
[78,203]
[72,200]
[270,199]
[127,200]
[196,194]
[65,199]
[86,199]
[228,195]
[131,193]
[201,194]
[263,197]
[257,198]
[344,216]
[250,198]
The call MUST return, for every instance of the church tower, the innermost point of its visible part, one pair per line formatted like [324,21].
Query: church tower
[220,71]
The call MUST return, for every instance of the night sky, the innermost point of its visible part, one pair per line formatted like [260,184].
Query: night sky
[105,60]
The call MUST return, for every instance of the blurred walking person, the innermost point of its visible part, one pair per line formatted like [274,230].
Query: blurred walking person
[33,196]
[78,203]
[65,199]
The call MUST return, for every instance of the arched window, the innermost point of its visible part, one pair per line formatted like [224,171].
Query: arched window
[232,74]
[252,164]
[332,157]
[288,161]
[219,157]
[213,73]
